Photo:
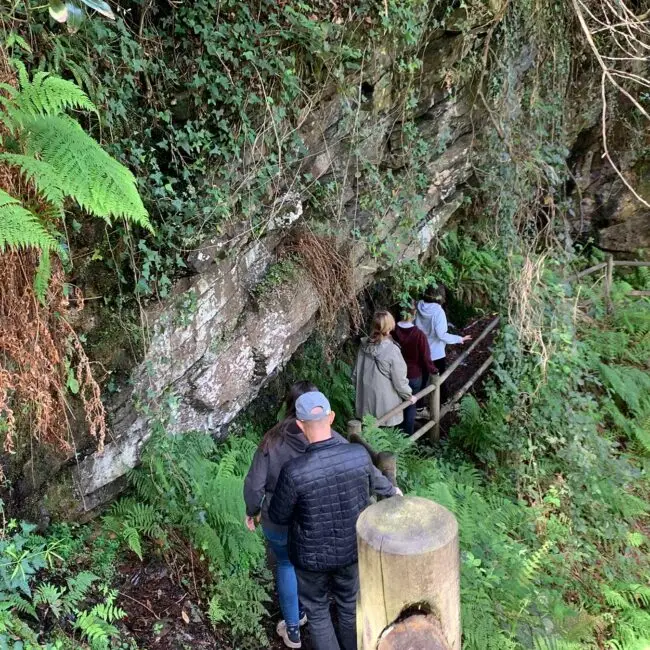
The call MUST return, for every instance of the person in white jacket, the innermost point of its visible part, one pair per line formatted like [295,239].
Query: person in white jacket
[432,320]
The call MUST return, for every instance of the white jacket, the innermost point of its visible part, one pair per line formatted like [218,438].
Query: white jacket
[431,319]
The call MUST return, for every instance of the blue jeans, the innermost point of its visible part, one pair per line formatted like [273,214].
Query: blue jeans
[285,578]
[408,425]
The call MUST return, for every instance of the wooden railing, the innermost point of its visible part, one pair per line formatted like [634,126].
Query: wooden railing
[609,277]
[436,413]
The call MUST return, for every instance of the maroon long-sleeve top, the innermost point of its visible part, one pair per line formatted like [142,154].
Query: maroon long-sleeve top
[415,350]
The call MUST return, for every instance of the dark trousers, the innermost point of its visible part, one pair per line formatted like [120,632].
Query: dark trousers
[315,588]
[408,425]
[441,364]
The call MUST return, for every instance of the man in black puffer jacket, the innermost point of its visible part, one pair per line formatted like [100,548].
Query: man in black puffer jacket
[320,496]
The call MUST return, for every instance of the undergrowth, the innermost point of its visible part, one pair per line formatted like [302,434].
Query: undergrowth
[55,591]
[192,486]
[553,517]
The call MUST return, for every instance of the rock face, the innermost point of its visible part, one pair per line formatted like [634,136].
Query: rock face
[606,208]
[215,344]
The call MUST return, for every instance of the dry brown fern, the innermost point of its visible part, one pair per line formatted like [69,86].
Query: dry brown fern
[329,265]
[37,344]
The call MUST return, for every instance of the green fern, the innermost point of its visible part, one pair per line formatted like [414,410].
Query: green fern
[61,160]
[16,602]
[45,94]
[96,625]
[78,587]
[44,177]
[99,183]
[51,597]
[131,520]
[19,228]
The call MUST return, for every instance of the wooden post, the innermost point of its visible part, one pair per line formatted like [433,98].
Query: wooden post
[416,631]
[384,461]
[354,428]
[609,278]
[408,560]
[434,408]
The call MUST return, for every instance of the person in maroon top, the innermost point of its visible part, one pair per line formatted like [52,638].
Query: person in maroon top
[415,350]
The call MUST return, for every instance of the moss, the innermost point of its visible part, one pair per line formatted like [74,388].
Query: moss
[60,501]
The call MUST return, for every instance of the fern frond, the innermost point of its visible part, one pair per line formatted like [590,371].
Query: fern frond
[17,602]
[97,631]
[48,95]
[131,537]
[44,177]
[19,228]
[50,595]
[78,587]
[99,183]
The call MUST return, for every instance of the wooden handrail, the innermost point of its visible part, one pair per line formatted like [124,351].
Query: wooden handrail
[450,404]
[589,271]
[602,265]
[609,277]
[631,263]
[466,353]
[404,405]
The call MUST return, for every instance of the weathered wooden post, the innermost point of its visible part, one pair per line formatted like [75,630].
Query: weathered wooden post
[409,573]
[434,408]
[384,461]
[354,427]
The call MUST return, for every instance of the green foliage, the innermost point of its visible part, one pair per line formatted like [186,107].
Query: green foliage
[130,520]
[96,624]
[551,441]
[72,13]
[213,137]
[53,152]
[59,157]
[20,227]
[332,375]
[473,273]
[30,605]
[190,484]
[277,274]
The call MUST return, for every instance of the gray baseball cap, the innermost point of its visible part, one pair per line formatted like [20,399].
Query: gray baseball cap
[307,402]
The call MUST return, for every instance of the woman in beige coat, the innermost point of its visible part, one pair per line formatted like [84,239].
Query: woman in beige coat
[380,373]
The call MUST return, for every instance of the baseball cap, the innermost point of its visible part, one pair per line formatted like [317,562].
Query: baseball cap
[307,402]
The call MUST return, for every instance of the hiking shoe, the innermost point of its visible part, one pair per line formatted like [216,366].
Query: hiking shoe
[303,618]
[423,413]
[290,635]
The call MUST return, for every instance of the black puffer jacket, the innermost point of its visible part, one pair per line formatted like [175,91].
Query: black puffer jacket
[320,495]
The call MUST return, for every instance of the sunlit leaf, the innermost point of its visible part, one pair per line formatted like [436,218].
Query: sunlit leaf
[101,7]
[75,17]
[58,10]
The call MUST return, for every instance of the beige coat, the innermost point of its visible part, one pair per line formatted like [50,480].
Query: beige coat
[380,380]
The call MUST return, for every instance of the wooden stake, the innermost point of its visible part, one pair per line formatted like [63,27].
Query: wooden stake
[354,428]
[408,560]
[434,409]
